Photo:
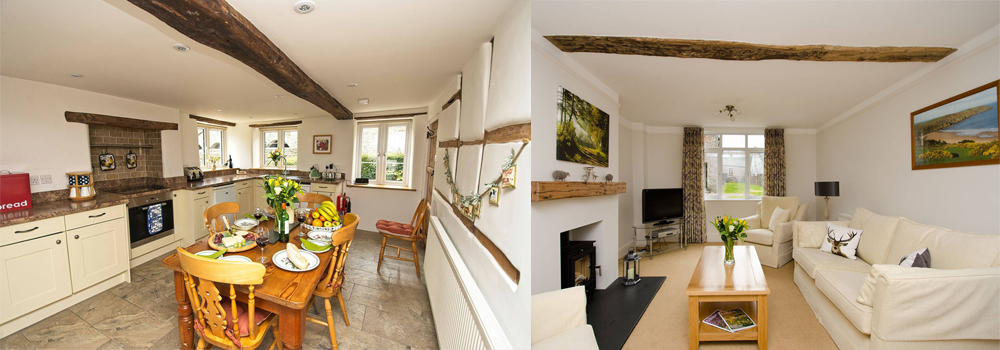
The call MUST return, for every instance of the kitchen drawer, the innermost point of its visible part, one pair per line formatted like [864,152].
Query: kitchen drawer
[243,184]
[34,229]
[324,187]
[78,220]
[202,193]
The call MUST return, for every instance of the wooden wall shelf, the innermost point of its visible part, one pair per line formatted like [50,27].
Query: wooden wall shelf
[120,146]
[552,190]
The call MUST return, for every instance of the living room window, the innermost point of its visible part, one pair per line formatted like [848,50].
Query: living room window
[383,152]
[733,166]
[285,140]
[211,145]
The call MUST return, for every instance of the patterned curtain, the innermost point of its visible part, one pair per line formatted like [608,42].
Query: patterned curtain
[691,182]
[774,162]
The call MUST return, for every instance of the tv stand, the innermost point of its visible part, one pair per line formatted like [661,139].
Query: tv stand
[657,232]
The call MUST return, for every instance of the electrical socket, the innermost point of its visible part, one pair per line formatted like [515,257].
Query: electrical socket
[46,179]
[34,180]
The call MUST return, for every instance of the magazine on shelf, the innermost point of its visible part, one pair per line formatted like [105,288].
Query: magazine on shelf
[730,321]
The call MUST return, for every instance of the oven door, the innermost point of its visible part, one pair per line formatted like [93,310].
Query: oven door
[138,222]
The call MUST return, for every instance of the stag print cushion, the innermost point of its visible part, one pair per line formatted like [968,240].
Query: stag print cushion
[920,258]
[841,241]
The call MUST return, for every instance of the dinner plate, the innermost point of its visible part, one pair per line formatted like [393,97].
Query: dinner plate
[206,252]
[316,242]
[320,236]
[280,259]
[234,258]
[245,223]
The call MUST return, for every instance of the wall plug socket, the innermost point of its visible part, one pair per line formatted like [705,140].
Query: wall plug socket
[34,180]
[46,179]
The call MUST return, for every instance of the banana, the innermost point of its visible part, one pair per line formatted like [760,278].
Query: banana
[295,257]
[325,212]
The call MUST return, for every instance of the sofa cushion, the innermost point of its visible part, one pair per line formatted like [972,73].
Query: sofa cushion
[778,216]
[843,288]
[769,203]
[581,337]
[867,294]
[813,259]
[841,241]
[760,236]
[879,230]
[950,249]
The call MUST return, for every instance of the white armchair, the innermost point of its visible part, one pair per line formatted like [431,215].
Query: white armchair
[774,244]
[559,320]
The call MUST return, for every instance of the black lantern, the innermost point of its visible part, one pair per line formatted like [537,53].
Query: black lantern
[630,268]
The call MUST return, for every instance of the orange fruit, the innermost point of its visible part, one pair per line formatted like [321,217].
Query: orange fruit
[317,223]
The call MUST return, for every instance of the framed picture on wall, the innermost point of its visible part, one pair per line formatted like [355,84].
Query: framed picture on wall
[959,131]
[322,144]
[582,131]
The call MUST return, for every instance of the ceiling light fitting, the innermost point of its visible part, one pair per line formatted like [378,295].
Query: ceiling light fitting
[363,101]
[279,96]
[730,110]
[76,75]
[352,85]
[181,47]
[218,110]
[304,6]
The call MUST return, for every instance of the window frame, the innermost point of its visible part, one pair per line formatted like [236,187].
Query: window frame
[204,164]
[381,159]
[264,160]
[748,158]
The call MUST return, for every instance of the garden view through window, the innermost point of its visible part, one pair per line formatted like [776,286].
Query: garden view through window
[211,145]
[733,166]
[382,152]
[284,140]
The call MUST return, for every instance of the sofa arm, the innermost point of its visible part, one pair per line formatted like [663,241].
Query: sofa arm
[753,222]
[810,234]
[782,232]
[932,304]
[556,312]
[800,214]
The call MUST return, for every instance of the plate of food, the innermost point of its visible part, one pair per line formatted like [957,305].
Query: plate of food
[235,258]
[235,243]
[295,260]
[245,224]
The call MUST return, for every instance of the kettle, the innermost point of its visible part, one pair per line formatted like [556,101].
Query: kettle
[314,173]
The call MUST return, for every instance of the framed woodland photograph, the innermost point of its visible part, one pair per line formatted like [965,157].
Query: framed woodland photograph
[322,144]
[959,131]
[582,131]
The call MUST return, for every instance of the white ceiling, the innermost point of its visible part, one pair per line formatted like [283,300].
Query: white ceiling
[402,53]
[792,94]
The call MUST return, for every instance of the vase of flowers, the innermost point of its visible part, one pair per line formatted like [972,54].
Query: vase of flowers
[730,229]
[281,194]
[275,157]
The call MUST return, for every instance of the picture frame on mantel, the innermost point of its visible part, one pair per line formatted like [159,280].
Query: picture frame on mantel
[322,144]
[957,132]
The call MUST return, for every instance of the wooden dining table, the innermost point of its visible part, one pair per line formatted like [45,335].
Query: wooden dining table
[285,293]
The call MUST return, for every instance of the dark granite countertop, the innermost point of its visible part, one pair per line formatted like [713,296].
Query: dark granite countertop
[47,210]
[228,179]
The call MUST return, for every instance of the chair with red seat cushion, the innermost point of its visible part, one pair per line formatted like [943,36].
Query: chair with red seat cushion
[411,232]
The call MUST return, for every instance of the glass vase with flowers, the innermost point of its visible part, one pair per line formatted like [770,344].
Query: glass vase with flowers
[281,194]
[730,230]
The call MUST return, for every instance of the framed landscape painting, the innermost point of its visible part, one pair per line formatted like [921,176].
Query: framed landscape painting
[959,131]
[582,131]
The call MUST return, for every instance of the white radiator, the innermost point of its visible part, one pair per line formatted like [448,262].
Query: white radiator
[463,318]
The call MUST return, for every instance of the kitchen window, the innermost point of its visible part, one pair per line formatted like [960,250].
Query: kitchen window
[383,155]
[733,166]
[285,140]
[211,145]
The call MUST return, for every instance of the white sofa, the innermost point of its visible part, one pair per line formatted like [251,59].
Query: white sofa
[774,244]
[559,320]
[955,304]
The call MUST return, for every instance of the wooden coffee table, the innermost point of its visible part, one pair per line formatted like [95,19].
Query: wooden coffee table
[715,286]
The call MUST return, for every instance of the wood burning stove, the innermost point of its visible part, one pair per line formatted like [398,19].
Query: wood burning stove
[578,258]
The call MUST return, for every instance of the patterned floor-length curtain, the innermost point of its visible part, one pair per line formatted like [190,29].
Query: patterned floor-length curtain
[694,197]
[774,162]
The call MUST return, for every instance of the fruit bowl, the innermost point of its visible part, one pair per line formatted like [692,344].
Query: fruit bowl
[307,228]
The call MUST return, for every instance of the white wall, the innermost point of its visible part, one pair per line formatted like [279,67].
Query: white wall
[625,208]
[343,143]
[869,154]
[239,144]
[36,138]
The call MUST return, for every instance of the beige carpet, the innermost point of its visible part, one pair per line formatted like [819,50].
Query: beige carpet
[791,323]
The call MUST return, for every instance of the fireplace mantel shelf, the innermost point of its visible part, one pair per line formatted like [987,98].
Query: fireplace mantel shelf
[552,190]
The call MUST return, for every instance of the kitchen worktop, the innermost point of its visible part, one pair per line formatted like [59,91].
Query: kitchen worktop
[228,179]
[46,210]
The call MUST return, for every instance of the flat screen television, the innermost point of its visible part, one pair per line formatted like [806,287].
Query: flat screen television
[662,204]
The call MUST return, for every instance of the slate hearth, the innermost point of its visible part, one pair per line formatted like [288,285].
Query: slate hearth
[614,312]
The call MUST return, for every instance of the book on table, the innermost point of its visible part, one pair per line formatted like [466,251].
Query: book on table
[730,321]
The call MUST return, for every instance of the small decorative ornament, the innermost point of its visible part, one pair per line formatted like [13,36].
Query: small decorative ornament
[588,174]
[107,161]
[495,195]
[81,187]
[609,177]
[509,177]
[560,175]
[131,160]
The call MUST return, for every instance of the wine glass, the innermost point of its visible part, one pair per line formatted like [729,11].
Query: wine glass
[262,240]
[302,214]
[257,214]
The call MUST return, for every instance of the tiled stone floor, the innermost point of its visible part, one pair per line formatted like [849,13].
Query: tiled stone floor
[390,310]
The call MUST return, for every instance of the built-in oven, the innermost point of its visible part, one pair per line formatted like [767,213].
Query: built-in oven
[150,218]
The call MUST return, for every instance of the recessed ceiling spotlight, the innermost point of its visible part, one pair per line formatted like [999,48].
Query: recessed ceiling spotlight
[76,75]
[352,85]
[218,110]
[279,96]
[181,47]
[363,101]
[295,114]
[304,6]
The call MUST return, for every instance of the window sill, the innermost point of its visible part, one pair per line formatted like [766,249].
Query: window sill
[732,199]
[384,187]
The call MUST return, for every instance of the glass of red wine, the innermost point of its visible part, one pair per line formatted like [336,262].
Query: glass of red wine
[302,214]
[257,214]
[262,241]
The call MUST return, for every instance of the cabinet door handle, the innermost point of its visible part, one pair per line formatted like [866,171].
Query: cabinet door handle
[76,236]
[97,216]
[202,192]
[26,231]
[58,241]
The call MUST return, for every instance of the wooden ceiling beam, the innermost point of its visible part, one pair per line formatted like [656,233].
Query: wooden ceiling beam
[739,51]
[271,125]
[210,120]
[218,25]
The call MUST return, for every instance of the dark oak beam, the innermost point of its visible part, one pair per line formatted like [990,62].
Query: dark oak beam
[391,116]
[739,51]
[100,119]
[294,122]
[218,25]
[210,120]
[455,97]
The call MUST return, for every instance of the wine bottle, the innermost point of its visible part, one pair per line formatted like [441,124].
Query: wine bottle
[282,216]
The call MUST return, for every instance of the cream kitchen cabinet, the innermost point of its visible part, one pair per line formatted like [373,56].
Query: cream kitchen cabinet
[33,273]
[245,197]
[258,195]
[189,214]
[97,251]
[329,190]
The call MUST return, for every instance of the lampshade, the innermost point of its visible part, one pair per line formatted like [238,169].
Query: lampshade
[828,189]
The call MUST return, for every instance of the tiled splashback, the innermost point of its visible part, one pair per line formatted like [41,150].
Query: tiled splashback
[149,160]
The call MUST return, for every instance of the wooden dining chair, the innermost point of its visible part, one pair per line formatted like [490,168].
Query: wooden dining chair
[332,282]
[222,321]
[312,200]
[412,233]
[214,214]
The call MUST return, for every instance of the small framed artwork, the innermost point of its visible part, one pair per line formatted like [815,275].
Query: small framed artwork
[107,161]
[322,144]
[495,195]
[131,160]
[509,177]
[957,132]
